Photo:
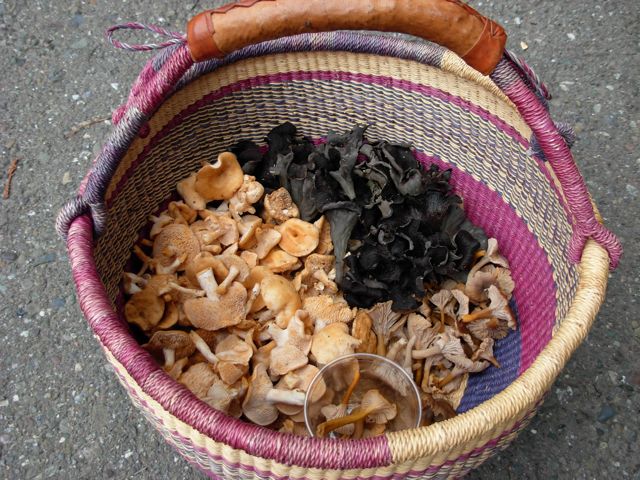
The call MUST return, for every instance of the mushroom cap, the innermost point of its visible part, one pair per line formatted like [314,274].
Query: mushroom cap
[361,330]
[279,294]
[500,306]
[181,211]
[247,227]
[331,342]
[199,378]
[229,372]
[220,180]
[170,316]
[325,245]
[332,411]
[299,238]
[301,378]
[237,262]
[266,239]
[488,328]
[215,315]
[383,410]
[255,407]
[256,274]
[385,321]
[293,335]
[263,355]
[249,193]
[203,261]
[374,430]
[187,190]
[441,299]
[279,261]
[172,241]
[463,302]
[176,340]
[250,258]
[234,350]
[279,206]
[324,310]
[145,308]
[220,395]
[286,358]
[222,227]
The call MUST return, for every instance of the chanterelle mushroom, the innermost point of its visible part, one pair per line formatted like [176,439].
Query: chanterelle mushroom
[385,322]
[331,342]
[497,310]
[374,408]
[490,256]
[479,282]
[220,180]
[279,207]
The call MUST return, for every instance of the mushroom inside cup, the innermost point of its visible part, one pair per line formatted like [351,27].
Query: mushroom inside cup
[354,376]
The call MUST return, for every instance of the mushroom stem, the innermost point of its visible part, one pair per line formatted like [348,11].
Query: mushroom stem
[290,397]
[253,294]
[358,429]
[203,348]
[188,291]
[426,353]
[169,357]
[208,283]
[352,386]
[233,273]
[330,425]
[482,313]
[446,380]
[381,348]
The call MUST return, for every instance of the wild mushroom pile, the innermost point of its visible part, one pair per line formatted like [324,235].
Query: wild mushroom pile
[247,287]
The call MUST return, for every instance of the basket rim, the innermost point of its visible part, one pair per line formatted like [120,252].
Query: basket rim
[491,416]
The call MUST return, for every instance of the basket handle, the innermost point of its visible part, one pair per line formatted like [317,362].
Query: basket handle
[450,23]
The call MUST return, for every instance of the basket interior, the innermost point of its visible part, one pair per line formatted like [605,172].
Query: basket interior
[453,122]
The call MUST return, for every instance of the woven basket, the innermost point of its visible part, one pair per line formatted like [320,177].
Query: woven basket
[510,163]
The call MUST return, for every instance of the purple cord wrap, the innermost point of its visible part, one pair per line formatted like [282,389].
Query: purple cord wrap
[174,37]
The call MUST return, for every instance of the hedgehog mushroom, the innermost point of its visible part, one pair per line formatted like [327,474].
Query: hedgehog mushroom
[298,380]
[267,238]
[361,330]
[299,238]
[325,310]
[204,261]
[238,271]
[174,242]
[187,190]
[249,193]
[233,358]
[331,342]
[258,405]
[247,227]
[221,180]
[279,206]
[199,378]
[279,261]
[145,308]
[215,312]
[174,345]
[280,298]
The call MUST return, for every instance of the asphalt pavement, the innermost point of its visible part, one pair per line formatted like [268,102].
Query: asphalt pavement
[62,412]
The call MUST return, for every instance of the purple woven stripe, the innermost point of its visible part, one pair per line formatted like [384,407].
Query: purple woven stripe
[324,76]
[535,287]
